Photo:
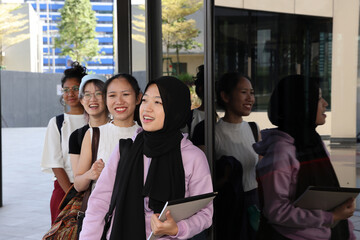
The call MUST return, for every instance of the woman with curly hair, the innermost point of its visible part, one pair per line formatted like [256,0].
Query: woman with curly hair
[55,157]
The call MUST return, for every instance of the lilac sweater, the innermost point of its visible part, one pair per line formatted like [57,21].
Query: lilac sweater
[277,171]
[197,181]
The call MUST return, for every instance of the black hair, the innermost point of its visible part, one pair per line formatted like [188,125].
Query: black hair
[227,84]
[76,71]
[134,84]
[131,79]
[98,83]
[199,82]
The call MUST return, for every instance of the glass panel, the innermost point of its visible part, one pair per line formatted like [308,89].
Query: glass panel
[138,41]
[30,74]
[268,46]
[265,46]
[183,41]
[50,16]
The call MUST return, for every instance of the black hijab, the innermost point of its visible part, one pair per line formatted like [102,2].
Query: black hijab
[166,178]
[293,108]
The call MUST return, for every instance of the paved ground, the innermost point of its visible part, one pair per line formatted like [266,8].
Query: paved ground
[26,190]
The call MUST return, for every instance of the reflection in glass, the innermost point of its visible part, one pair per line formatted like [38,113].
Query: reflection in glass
[268,46]
[138,42]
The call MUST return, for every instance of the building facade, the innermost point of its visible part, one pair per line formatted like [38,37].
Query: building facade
[52,62]
[25,55]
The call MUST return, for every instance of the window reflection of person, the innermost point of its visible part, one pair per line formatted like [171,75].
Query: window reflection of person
[294,158]
[198,113]
[234,137]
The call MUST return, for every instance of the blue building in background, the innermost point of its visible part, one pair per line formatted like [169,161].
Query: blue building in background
[52,62]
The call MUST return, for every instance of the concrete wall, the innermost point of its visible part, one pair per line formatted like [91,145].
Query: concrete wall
[29,99]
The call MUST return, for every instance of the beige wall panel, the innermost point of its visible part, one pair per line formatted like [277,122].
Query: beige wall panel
[284,6]
[230,3]
[322,8]
[192,60]
[18,56]
[344,68]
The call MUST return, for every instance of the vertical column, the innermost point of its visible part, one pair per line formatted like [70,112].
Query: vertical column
[153,39]
[344,70]
[1,178]
[123,32]
[209,87]
[209,79]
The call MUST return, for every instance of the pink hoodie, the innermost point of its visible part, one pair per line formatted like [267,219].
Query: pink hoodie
[277,171]
[197,181]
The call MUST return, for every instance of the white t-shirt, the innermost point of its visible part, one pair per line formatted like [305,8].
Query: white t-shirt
[110,136]
[56,153]
[109,140]
[236,139]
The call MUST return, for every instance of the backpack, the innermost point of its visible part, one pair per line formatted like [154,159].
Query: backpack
[189,121]
[59,123]
[254,130]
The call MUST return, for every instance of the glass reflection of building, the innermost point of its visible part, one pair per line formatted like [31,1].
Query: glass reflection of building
[52,62]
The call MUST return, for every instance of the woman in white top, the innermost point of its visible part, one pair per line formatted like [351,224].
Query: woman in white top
[92,98]
[122,94]
[55,158]
[233,145]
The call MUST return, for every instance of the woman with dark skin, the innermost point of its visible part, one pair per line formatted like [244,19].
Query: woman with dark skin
[55,158]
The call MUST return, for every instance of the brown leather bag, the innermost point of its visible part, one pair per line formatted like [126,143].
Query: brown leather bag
[69,222]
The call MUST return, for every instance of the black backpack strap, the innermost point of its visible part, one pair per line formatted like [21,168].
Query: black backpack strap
[254,130]
[189,121]
[124,148]
[59,123]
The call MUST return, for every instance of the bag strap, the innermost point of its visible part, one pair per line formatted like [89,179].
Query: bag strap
[59,123]
[124,147]
[189,121]
[254,130]
[94,150]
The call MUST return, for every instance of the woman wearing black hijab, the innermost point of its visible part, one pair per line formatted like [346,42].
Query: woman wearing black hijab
[160,165]
[295,158]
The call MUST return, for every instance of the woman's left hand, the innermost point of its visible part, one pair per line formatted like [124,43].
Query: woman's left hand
[168,227]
